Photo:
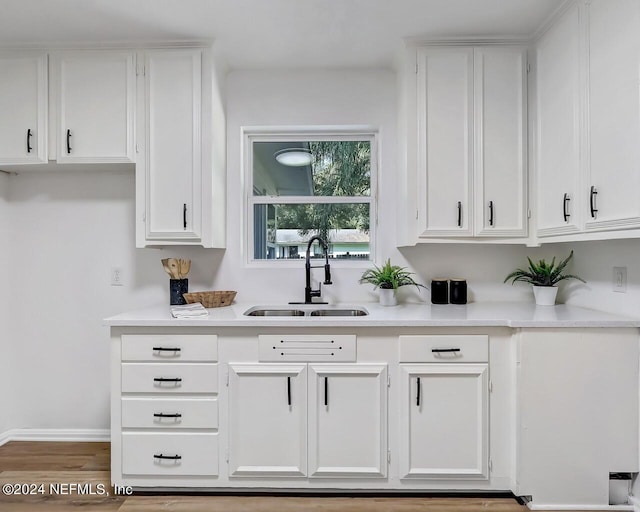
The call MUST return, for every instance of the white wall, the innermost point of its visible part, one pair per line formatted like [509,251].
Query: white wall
[68,230]
[6,345]
[304,98]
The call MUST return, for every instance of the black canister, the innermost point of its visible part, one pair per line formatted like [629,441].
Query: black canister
[439,291]
[176,288]
[458,291]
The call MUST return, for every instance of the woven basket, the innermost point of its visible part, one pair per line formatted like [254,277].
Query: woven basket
[211,299]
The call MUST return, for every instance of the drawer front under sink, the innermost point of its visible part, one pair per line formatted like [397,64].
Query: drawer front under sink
[307,347]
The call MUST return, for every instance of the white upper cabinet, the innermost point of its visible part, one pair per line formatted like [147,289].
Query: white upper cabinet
[95,101]
[181,161]
[500,154]
[614,114]
[588,121]
[469,146]
[558,147]
[444,103]
[23,108]
[173,144]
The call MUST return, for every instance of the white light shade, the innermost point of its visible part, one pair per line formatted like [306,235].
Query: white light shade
[294,157]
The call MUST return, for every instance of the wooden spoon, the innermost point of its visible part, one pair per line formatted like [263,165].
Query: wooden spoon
[185,266]
[175,268]
[165,264]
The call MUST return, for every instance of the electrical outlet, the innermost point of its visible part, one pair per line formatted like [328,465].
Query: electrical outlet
[620,279]
[116,276]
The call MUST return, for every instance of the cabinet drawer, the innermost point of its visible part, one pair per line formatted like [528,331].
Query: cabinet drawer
[307,347]
[169,347]
[170,454]
[444,349]
[169,378]
[169,413]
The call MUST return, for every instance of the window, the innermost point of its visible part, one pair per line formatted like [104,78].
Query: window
[301,185]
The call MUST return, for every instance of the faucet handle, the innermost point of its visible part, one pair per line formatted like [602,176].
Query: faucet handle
[327,274]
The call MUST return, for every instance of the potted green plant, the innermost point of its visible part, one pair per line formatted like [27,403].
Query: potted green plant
[388,278]
[544,277]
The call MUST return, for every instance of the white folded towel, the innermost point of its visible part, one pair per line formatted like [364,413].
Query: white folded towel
[195,310]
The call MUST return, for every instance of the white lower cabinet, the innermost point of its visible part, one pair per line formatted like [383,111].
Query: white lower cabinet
[577,414]
[267,420]
[348,420]
[164,410]
[307,420]
[444,415]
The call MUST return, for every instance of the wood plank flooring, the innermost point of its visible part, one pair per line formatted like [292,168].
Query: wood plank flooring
[35,463]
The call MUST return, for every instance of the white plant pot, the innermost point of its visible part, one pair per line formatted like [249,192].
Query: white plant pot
[545,295]
[388,297]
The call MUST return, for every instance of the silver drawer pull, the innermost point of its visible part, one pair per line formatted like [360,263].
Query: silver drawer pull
[176,415]
[167,457]
[441,350]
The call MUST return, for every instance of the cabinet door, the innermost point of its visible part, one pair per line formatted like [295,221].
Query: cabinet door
[172,113]
[267,420]
[23,108]
[500,141]
[559,94]
[96,103]
[444,109]
[614,115]
[444,411]
[348,420]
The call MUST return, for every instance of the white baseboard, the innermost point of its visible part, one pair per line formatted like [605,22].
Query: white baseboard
[55,434]
[635,502]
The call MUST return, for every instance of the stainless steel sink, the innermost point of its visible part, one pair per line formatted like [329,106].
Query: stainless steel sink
[307,311]
[339,312]
[275,312]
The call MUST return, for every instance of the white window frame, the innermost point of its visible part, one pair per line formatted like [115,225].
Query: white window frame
[306,134]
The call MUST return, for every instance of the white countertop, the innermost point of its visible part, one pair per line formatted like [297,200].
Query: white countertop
[479,314]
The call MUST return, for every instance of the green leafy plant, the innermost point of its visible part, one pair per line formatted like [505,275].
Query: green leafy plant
[389,277]
[543,273]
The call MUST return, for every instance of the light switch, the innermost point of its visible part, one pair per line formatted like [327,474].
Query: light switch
[620,279]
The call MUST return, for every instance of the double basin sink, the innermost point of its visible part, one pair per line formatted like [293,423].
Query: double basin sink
[296,312]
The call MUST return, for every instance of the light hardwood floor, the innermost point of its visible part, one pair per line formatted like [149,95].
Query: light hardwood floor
[32,464]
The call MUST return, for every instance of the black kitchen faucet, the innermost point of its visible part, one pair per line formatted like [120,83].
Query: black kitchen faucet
[308,292]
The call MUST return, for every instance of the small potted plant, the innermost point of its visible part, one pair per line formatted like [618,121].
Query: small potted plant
[388,278]
[544,277]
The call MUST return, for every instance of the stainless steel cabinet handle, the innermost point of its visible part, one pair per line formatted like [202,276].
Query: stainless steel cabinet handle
[418,392]
[490,213]
[68,141]
[459,214]
[592,202]
[29,135]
